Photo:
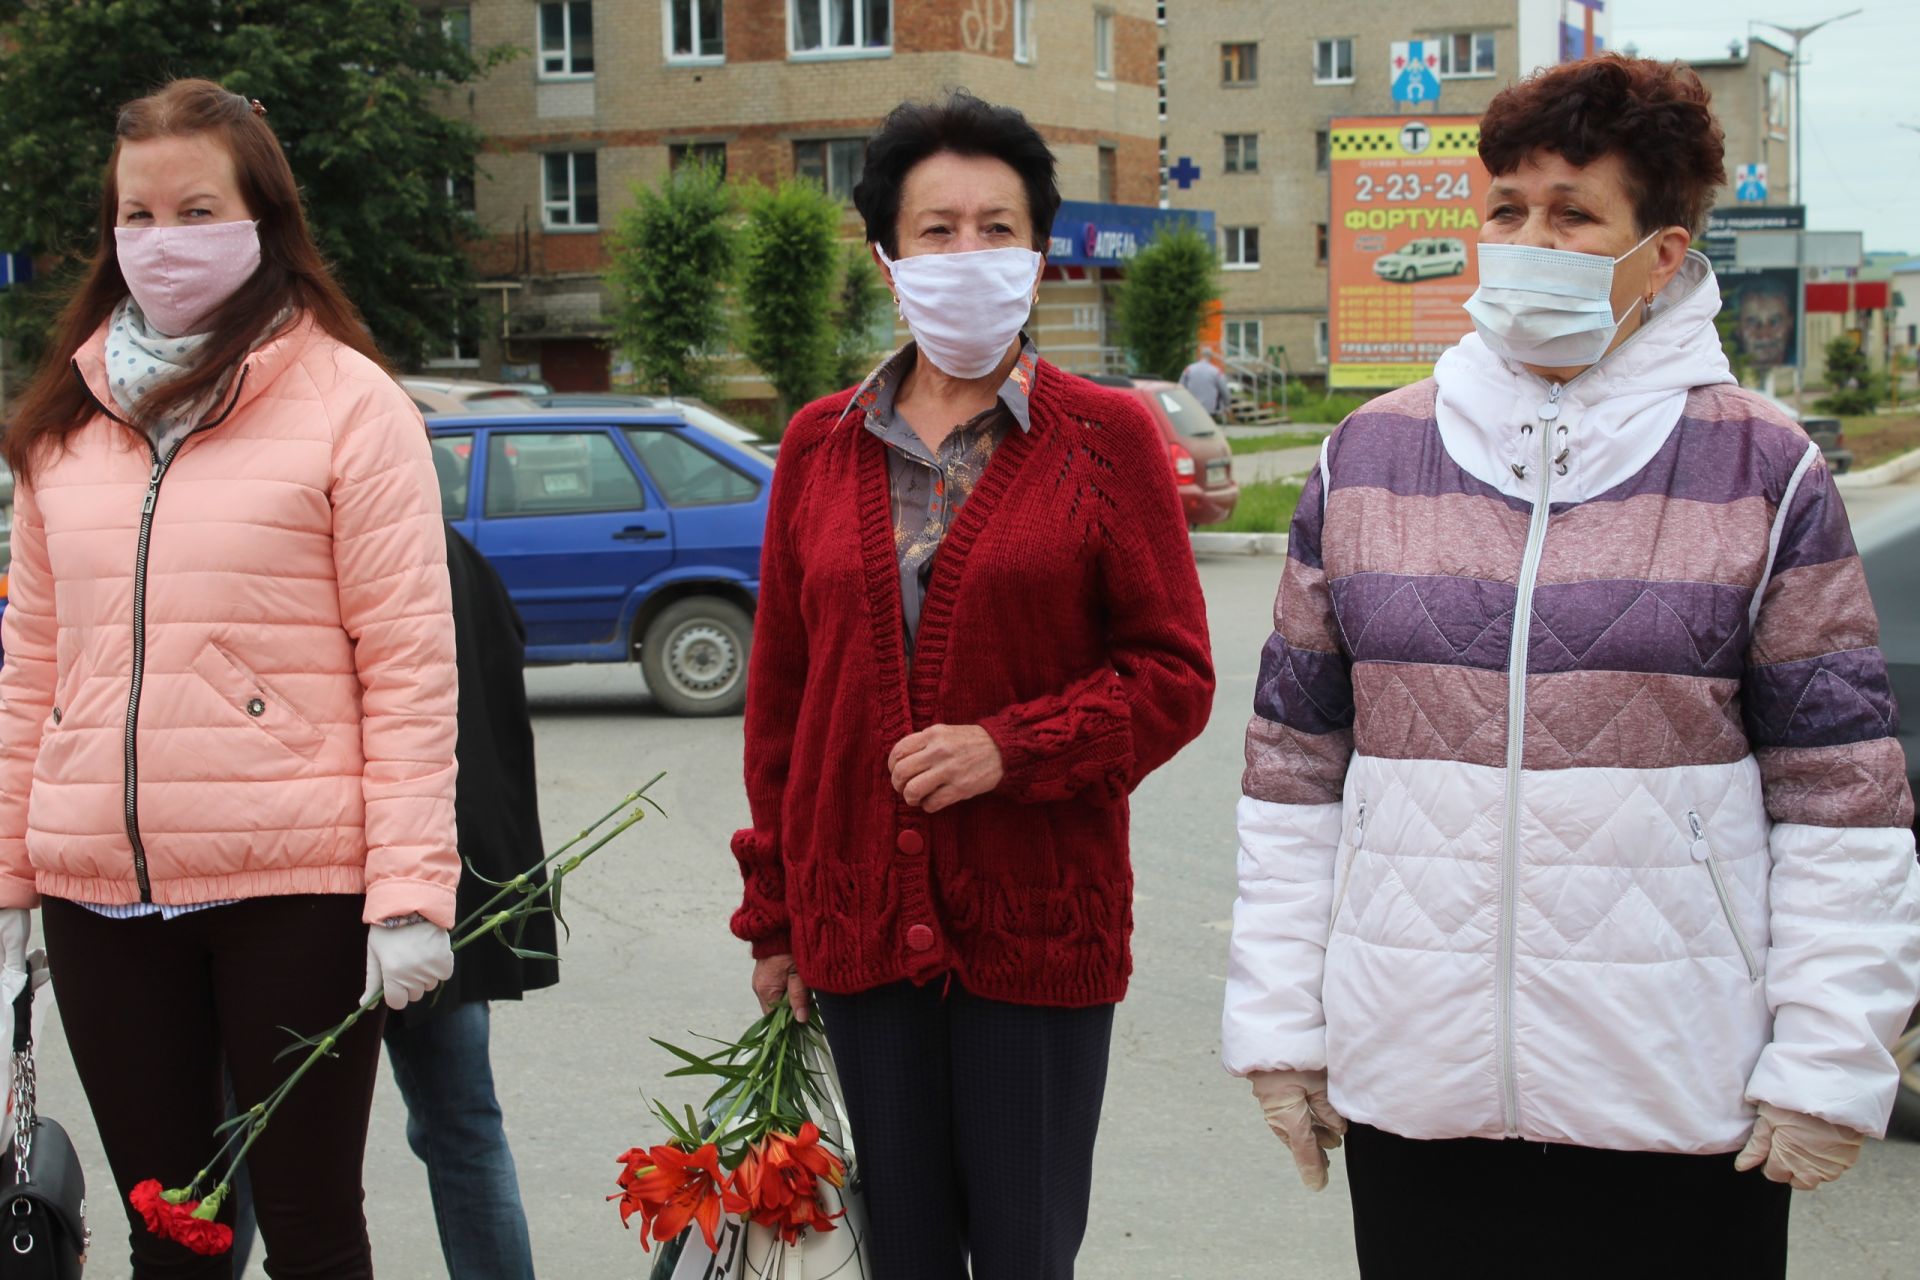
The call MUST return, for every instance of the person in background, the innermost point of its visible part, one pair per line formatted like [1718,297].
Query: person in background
[1209,387]
[980,628]
[1588,934]
[439,1048]
[227,711]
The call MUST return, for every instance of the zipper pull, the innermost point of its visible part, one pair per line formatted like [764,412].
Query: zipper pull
[153,490]
[1699,848]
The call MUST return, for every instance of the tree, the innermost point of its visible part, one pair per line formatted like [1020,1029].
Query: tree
[788,267]
[1853,386]
[351,88]
[673,254]
[863,301]
[1164,299]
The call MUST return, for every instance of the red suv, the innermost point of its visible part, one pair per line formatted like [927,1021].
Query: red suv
[1198,456]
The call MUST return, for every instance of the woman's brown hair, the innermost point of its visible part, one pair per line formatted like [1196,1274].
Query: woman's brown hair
[1656,116]
[292,274]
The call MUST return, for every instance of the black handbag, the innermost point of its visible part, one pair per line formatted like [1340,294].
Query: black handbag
[43,1192]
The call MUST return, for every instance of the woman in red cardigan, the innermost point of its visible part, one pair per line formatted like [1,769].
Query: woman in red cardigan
[980,627]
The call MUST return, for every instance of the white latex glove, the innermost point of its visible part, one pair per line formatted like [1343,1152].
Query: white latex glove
[1298,1112]
[16,926]
[407,961]
[1803,1151]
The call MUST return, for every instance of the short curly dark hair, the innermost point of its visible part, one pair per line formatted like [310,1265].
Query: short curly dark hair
[966,126]
[1656,116]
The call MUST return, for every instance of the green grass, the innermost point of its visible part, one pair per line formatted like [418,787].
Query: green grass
[1331,410]
[1279,440]
[1878,438]
[1263,508]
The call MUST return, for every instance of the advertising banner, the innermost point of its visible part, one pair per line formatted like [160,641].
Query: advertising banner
[1759,306]
[1407,196]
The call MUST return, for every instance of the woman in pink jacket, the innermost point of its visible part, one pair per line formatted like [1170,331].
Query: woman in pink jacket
[227,731]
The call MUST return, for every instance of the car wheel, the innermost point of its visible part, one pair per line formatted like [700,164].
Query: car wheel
[694,657]
[1409,275]
[1906,1105]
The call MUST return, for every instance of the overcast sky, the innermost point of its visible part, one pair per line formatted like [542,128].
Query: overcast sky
[1862,169]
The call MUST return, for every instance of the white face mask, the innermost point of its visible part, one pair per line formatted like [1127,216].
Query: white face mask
[964,309]
[1548,307]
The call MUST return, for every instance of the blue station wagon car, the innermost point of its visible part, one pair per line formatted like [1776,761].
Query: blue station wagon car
[619,536]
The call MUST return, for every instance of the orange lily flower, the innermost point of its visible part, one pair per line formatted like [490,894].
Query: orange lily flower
[670,1187]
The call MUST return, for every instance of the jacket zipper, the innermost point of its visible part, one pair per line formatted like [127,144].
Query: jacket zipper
[1702,851]
[1548,414]
[141,549]
[1346,870]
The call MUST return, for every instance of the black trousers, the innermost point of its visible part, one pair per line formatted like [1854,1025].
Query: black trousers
[974,1122]
[1476,1207]
[151,1009]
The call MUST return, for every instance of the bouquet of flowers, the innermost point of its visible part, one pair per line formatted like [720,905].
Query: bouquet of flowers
[758,1178]
[182,1215]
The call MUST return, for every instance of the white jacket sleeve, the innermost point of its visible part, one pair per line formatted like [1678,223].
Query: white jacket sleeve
[1299,744]
[1843,967]
[1277,956]
[1843,973]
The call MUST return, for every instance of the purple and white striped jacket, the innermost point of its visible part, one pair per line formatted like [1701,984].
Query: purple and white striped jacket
[1615,879]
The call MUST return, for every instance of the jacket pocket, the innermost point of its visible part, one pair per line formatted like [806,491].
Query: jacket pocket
[1344,878]
[73,664]
[256,702]
[1702,851]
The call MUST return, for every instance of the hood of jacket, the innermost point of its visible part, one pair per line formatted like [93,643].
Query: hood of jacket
[1612,419]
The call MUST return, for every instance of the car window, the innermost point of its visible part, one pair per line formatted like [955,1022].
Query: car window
[453,465]
[713,424]
[687,475]
[549,473]
[1188,416]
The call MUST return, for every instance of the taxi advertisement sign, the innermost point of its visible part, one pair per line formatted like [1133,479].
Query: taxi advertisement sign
[1407,200]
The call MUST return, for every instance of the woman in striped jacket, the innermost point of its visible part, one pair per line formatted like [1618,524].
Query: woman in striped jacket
[1604,921]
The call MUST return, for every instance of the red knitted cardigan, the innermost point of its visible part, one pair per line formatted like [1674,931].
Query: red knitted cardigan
[1064,616]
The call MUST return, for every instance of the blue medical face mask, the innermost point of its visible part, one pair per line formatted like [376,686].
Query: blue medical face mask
[1548,307]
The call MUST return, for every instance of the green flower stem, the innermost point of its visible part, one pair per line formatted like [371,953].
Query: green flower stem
[482,923]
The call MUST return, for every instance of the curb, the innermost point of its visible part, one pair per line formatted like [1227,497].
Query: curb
[1239,544]
[1886,473]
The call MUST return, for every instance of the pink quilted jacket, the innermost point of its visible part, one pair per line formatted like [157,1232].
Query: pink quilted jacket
[230,674]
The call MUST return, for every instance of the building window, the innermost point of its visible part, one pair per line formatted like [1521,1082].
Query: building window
[1240,248]
[1466,53]
[455,22]
[1243,340]
[1103,44]
[1161,73]
[707,153]
[573,191]
[1109,173]
[566,39]
[1165,200]
[459,351]
[695,31]
[842,26]
[1160,12]
[460,192]
[1243,153]
[1333,61]
[833,163]
[1023,30]
[1239,63]
[1322,150]
[1319,244]
[1320,340]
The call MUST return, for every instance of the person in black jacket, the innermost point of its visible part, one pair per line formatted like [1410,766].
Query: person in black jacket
[438,1047]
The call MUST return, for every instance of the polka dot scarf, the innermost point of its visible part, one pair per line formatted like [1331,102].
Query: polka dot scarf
[140,358]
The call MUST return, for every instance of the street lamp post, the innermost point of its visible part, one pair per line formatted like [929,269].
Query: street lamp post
[1797,34]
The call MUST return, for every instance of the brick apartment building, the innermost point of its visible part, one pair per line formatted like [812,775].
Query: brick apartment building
[613,92]
[1250,89]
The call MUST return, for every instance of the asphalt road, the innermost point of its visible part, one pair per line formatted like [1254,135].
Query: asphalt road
[1189,1182]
